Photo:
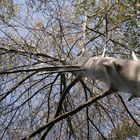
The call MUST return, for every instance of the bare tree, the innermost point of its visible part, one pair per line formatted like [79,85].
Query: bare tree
[46,50]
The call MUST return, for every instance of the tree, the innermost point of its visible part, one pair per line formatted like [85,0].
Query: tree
[41,96]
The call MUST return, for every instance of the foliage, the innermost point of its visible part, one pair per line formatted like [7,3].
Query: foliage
[126,130]
[8,10]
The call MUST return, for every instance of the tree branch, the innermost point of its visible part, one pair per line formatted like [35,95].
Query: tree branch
[50,69]
[71,113]
[129,111]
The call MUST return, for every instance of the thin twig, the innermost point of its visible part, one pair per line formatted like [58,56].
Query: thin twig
[71,113]
[129,111]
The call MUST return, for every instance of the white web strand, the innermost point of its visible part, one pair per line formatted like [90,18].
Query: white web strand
[84,33]
[134,56]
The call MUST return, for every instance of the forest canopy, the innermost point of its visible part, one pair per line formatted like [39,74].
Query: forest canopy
[41,94]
